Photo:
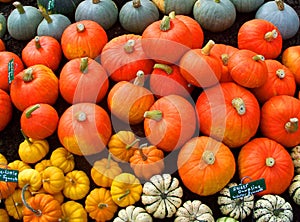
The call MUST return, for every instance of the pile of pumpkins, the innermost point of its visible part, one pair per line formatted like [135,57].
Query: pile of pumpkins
[196,101]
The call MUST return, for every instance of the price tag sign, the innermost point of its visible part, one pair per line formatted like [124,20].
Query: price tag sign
[9,175]
[247,189]
[11,71]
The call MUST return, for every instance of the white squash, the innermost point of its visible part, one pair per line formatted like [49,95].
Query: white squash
[133,214]
[162,196]
[238,208]
[194,211]
[294,189]
[295,154]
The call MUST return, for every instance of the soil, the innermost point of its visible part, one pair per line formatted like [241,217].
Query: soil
[11,137]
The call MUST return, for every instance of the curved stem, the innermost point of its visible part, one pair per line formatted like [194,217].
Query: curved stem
[139,79]
[280,4]
[292,125]
[208,157]
[26,137]
[84,65]
[206,49]
[129,46]
[258,58]
[144,157]
[136,3]
[19,7]
[108,161]
[269,36]
[239,105]
[165,23]
[270,161]
[280,73]
[132,144]
[31,109]
[28,75]
[154,115]
[168,69]
[36,212]
[124,195]
[37,42]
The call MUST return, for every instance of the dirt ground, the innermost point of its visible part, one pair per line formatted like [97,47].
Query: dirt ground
[11,137]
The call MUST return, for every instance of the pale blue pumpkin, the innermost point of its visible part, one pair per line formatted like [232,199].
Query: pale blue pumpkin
[247,5]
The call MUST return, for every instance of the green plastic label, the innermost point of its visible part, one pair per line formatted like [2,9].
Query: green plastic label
[247,189]
[9,175]
[11,71]
[51,5]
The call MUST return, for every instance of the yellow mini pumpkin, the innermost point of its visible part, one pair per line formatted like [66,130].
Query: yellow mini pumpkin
[58,196]
[4,215]
[126,189]
[63,159]
[77,185]
[42,165]
[3,159]
[73,212]
[30,178]
[53,179]
[18,165]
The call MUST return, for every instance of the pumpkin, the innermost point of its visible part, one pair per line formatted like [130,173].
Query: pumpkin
[123,57]
[3,26]
[83,80]
[2,45]
[294,190]
[194,211]
[162,195]
[18,165]
[42,165]
[290,57]
[76,39]
[228,112]
[14,204]
[32,150]
[126,189]
[295,155]
[247,5]
[53,179]
[205,165]
[133,213]
[77,185]
[147,161]
[216,15]
[10,63]
[23,21]
[128,101]
[43,50]
[272,164]
[62,158]
[58,196]
[6,188]
[100,205]
[104,12]
[239,208]
[66,7]
[279,120]
[37,83]
[136,15]
[41,207]
[226,219]
[3,159]
[167,79]
[248,68]
[39,121]
[280,81]
[166,40]
[4,215]
[30,179]
[73,211]
[179,6]
[6,109]
[271,207]
[52,25]
[84,129]
[122,145]
[170,122]
[201,59]
[282,15]
[261,37]
[104,171]
[224,52]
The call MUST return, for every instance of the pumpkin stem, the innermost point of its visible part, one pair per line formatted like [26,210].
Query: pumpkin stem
[37,42]
[208,157]
[269,36]
[165,23]
[270,161]
[144,157]
[102,205]
[225,58]
[45,180]
[132,144]
[124,195]
[206,49]
[80,27]
[96,1]
[239,105]
[217,1]
[154,115]
[258,58]
[108,161]
[19,7]
[172,15]
[139,79]
[168,69]
[31,109]
[36,212]
[280,5]
[84,65]
[136,3]
[28,75]
[45,15]
[129,46]
[81,116]
[280,73]
[292,125]
[26,137]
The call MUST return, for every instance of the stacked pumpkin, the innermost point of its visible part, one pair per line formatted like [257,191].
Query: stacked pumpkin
[196,103]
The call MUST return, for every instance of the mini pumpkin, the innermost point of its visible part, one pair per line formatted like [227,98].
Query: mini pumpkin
[133,213]
[62,158]
[73,211]
[42,165]
[4,215]
[294,189]
[18,165]
[295,154]
[3,159]
[290,58]
[30,179]
[53,179]
[6,109]
[77,185]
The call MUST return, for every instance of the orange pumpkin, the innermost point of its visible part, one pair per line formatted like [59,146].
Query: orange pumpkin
[205,165]
[6,188]
[261,37]
[83,80]
[2,45]
[6,109]
[83,38]
[267,159]
[84,129]
[279,120]
[291,58]
[170,122]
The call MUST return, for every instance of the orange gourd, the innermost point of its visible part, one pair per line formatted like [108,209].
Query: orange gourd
[291,58]
[2,46]
[6,109]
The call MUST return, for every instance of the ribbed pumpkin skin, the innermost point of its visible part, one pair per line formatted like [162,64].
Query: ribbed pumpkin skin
[104,12]
[275,114]
[181,7]
[291,58]
[247,5]
[136,15]
[219,118]
[294,189]
[253,163]
[197,175]
[2,25]
[6,109]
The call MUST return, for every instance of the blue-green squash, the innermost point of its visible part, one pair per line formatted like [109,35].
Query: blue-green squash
[180,7]
[247,5]
[65,7]
[2,25]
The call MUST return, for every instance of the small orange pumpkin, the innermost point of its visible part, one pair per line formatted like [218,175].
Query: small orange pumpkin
[6,109]
[291,58]
[2,46]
